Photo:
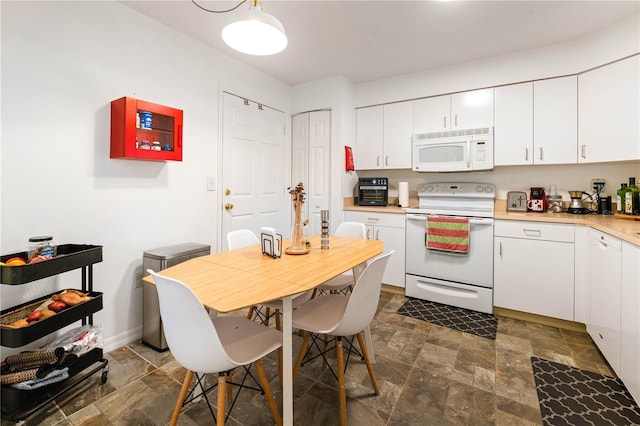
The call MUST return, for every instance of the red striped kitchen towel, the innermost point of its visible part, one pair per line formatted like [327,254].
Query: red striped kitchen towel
[448,234]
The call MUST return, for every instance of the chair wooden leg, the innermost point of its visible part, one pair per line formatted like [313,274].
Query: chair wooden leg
[341,390]
[181,395]
[268,312]
[279,328]
[365,354]
[222,382]
[324,348]
[252,308]
[267,391]
[303,350]
[229,379]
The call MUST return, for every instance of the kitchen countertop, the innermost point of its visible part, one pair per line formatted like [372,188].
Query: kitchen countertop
[625,229]
[349,204]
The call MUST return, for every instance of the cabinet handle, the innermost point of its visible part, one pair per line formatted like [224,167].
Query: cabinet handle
[526,154]
[377,234]
[445,121]
[583,151]
[378,160]
[500,248]
[532,232]
[386,160]
[368,236]
[541,154]
[456,121]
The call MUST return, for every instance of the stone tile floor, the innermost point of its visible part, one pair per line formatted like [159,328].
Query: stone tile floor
[428,375]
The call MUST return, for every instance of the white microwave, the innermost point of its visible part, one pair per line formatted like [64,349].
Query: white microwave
[453,151]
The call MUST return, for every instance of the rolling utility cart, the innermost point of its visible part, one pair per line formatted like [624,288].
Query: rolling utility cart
[18,404]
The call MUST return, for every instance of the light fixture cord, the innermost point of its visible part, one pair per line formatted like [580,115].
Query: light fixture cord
[219,11]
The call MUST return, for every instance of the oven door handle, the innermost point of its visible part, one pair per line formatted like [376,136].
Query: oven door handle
[472,221]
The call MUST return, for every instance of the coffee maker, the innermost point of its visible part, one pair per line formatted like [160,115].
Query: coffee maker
[537,200]
[575,205]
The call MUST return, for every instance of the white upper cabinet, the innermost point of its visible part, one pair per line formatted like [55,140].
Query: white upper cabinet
[609,107]
[513,133]
[536,123]
[383,136]
[369,138]
[398,129]
[555,121]
[467,110]
[432,114]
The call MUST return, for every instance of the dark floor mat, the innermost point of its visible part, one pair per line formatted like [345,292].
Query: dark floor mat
[571,396]
[477,323]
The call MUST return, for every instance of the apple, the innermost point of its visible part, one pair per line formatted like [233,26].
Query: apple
[36,259]
[57,306]
[34,316]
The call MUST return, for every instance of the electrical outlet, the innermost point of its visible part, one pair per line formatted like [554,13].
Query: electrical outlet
[597,184]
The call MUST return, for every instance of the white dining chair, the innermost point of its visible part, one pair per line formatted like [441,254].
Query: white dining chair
[342,316]
[343,282]
[241,238]
[203,345]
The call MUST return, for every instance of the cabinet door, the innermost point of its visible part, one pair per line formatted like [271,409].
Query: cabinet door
[393,239]
[630,320]
[432,114]
[398,129]
[609,108]
[513,133]
[555,121]
[472,110]
[369,138]
[534,276]
[604,305]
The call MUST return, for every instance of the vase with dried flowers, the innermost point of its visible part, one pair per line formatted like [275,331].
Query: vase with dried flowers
[297,242]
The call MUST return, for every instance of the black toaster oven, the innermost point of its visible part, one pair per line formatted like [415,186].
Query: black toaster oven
[373,191]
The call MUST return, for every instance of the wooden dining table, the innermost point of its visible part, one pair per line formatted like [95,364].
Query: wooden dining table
[233,280]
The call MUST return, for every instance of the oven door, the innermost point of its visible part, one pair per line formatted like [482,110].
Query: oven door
[475,267]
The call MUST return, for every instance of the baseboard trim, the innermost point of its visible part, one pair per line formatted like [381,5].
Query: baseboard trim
[540,319]
[393,289]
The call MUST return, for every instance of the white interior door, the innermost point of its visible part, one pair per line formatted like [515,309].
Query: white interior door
[253,180]
[310,163]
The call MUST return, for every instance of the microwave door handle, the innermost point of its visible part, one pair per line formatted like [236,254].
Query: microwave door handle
[468,153]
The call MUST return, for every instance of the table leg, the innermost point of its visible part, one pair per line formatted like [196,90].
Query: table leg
[287,362]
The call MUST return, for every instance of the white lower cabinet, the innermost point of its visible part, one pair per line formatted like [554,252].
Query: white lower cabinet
[605,254]
[388,228]
[630,319]
[534,268]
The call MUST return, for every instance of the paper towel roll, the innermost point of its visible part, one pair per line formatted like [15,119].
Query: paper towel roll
[403,194]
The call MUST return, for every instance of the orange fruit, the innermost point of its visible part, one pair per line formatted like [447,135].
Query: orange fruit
[15,261]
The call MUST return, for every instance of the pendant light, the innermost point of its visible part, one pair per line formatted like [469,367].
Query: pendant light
[257,33]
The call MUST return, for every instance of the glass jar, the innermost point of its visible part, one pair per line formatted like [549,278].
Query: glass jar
[42,247]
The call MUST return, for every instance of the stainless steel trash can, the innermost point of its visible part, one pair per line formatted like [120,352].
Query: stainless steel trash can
[157,260]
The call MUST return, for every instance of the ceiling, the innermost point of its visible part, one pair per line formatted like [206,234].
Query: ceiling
[370,40]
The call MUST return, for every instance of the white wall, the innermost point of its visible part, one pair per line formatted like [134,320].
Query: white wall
[62,65]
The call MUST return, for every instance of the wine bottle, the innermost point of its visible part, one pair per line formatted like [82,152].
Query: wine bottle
[620,199]
[632,198]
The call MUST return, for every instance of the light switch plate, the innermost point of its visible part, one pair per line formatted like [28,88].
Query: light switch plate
[516,201]
[211,183]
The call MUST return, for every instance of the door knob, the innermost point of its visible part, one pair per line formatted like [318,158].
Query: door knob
[228,206]
[227,191]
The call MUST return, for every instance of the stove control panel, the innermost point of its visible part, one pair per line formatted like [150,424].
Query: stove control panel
[457,189]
